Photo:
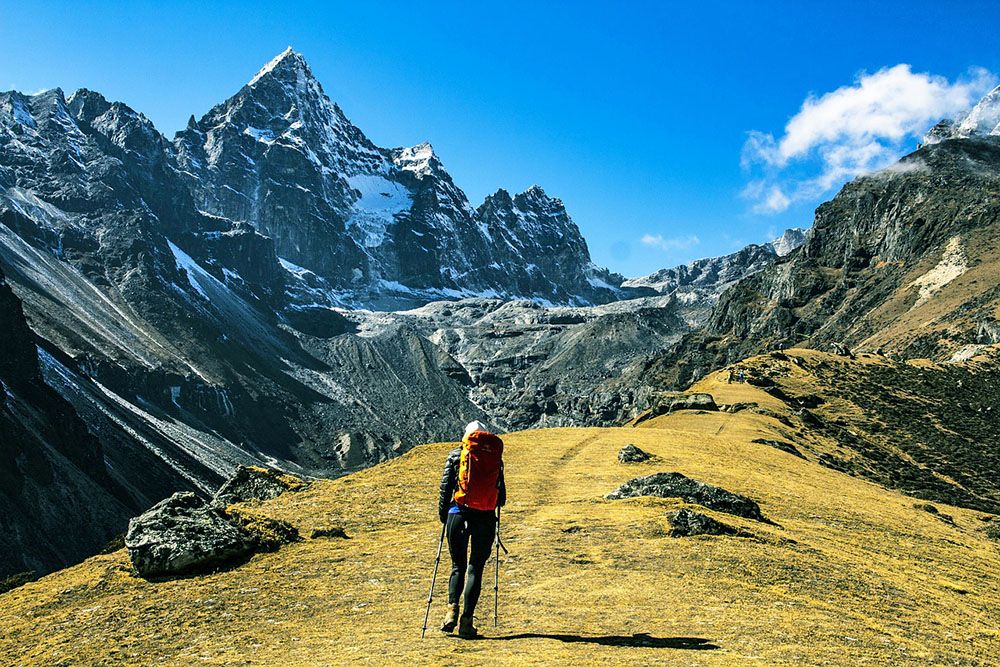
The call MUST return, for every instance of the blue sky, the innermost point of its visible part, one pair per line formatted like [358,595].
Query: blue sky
[655,121]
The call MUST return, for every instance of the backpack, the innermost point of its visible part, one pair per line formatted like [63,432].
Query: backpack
[479,471]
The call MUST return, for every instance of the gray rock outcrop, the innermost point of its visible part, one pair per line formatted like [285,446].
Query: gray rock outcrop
[632,454]
[184,535]
[676,485]
[687,523]
[255,483]
[672,402]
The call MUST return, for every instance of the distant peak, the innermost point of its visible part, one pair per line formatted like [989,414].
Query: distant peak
[286,61]
[790,240]
[981,120]
[423,150]
[501,195]
[535,194]
[415,158]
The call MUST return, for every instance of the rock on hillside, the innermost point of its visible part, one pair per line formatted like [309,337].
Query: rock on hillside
[676,485]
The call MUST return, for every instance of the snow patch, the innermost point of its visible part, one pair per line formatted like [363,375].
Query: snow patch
[263,136]
[416,159]
[195,274]
[376,208]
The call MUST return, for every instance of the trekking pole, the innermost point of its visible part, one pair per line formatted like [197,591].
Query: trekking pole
[496,574]
[496,577]
[430,596]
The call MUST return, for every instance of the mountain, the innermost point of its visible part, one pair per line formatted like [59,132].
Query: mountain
[699,284]
[843,571]
[789,241]
[195,304]
[180,294]
[983,120]
[378,226]
[49,462]
[902,261]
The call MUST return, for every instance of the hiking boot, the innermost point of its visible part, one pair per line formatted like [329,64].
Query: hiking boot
[466,630]
[450,618]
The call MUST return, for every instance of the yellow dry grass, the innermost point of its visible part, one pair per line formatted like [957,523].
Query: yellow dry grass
[854,575]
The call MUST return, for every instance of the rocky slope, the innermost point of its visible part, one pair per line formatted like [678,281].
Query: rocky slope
[49,463]
[842,571]
[904,261]
[699,284]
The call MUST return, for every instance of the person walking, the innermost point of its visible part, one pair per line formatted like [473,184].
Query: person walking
[472,489]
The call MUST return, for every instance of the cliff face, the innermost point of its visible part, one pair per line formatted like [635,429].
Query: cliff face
[49,463]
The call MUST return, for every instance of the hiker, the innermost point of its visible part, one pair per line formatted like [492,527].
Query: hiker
[472,488]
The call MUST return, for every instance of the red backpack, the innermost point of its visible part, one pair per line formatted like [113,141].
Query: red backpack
[479,471]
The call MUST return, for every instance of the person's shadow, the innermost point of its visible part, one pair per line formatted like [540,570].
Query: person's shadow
[638,640]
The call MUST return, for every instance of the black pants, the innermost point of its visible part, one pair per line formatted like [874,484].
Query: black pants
[478,528]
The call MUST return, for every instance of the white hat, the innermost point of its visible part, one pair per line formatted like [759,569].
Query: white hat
[474,426]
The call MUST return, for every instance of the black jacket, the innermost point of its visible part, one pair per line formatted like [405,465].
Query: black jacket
[449,482]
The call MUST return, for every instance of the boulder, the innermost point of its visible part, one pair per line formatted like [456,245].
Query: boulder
[255,483]
[686,523]
[632,454]
[841,350]
[184,535]
[676,485]
[674,401]
[668,402]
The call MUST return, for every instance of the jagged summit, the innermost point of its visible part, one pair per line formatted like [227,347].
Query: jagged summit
[420,159]
[286,63]
[789,241]
[369,221]
[983,120]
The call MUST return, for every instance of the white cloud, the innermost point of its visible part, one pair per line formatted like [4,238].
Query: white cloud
[670,244]
[853,130]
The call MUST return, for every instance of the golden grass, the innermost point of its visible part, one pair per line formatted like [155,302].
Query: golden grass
[854,575]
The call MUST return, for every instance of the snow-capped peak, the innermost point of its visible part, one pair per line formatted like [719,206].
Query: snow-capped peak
[982,120]
[293,59]
[789,241]
[415,158]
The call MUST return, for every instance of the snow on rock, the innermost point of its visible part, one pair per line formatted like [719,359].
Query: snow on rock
[195,274]
[272,64]
[375,210]
[790,240]
[416,159]
[981,121]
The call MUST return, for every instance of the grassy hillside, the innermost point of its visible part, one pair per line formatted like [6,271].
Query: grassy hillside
[851,574]
[924,428]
